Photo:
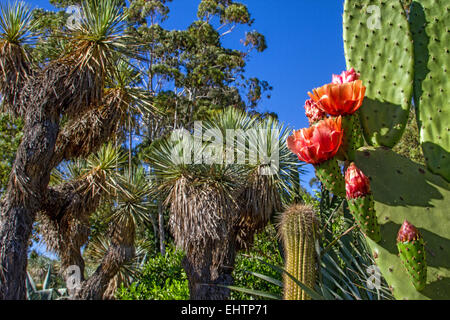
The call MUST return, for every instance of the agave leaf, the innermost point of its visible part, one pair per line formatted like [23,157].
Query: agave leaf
[313,294]
[266,278]
[253,292]
[46,283]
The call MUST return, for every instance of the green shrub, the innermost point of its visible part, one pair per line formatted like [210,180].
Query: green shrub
[162,278]
[265,248]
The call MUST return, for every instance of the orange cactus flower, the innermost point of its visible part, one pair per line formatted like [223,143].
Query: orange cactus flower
[356,183]
[339,99]
[319,142]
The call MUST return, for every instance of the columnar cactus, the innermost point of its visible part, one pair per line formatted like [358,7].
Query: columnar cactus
[411,250]
[298,231]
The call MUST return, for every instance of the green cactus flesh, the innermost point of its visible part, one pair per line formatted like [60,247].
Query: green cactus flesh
[405,190]
[352,140]
[430,26]
[382,51]
[330,175]
[298,229]
[365,216]
[412,255]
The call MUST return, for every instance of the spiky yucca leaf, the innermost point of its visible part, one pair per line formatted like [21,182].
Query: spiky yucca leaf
[128,272]
[260,146]
[15,26]
[201,197]
[15,23]
[99,36]
[101,168]
[132,201]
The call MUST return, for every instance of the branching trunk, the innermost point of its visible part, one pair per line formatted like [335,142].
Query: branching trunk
[121,251]
[206,278]
[28,182]
[162,234]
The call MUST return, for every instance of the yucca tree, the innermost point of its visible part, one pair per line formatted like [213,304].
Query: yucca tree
[130,204]
[70,106]
[215,208]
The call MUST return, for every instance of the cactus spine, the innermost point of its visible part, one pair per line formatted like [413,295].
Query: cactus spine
[411,250]
[397,57]
[430,26]
[298,231]
[330,175]
[378,44]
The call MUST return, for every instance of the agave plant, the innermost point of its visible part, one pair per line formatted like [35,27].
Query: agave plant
[45,292]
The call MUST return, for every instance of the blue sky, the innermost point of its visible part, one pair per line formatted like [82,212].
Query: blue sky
[305,48]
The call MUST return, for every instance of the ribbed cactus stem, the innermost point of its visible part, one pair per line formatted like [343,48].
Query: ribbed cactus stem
[298,231]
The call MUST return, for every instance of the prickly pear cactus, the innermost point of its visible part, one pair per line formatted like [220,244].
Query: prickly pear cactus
[330,175]
[404,190]
[363,211]
[378,44]
[430,26]
[411,250]
[298,230]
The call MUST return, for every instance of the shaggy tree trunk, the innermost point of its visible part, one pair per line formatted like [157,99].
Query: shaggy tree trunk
[121,250]
[206,278]
[15,231]
[162,235]
[27,184]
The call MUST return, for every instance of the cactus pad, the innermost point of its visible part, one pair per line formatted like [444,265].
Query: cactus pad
[353,139]
[404,190]
[382,51]
[430,26]
[412,255]
[365,216]
[330,175]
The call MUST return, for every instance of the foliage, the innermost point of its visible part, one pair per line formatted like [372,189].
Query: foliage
[409,146]
[161,278]
[266,246]
[44,291]
[10,136]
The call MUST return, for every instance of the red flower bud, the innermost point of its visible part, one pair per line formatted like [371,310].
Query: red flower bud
[356,183]
[346,76]
[313,113]
[408,232]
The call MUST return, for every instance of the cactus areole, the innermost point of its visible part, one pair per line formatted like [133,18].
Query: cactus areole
[411,250]
[408,233]
[357,185]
